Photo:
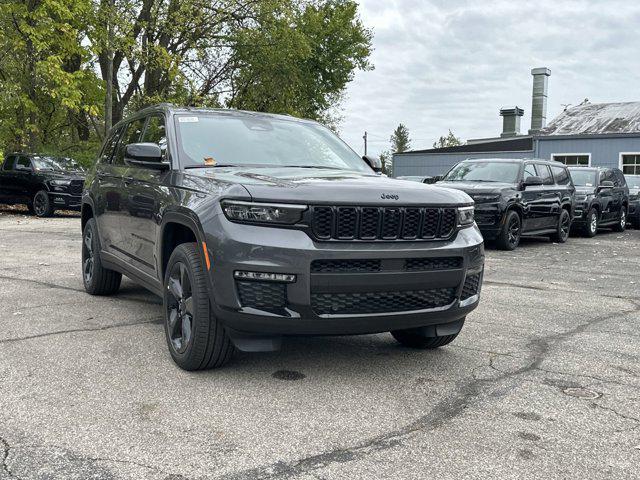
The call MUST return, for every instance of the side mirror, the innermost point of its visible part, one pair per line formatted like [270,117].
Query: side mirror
[373,162]
[431,180]
[606,185]
[145,155]
[532,182]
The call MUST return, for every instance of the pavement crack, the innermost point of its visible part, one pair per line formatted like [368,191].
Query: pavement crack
[76,330]
[635,420]
[39,282]
[6,448]
[466,393]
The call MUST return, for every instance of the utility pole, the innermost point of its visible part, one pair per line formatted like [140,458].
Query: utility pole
[365,142]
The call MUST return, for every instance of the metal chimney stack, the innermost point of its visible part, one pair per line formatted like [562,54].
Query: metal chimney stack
[539,98]
[511,121]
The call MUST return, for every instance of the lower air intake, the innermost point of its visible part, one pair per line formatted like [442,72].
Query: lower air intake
[380,302]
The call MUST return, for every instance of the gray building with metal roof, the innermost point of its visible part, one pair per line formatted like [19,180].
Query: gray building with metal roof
[590,134]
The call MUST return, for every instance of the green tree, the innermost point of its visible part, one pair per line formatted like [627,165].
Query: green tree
[386,158]
[48,90]
[450,140]
[70,68]
[400,141]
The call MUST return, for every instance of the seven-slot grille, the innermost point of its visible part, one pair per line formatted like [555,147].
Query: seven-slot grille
[382,223]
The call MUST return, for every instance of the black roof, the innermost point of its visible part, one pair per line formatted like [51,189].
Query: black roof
[518,144]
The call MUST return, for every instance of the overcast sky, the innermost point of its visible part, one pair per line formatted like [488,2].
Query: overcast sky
[443,65]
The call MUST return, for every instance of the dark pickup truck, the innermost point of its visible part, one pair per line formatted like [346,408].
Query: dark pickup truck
[254,227]
[42,183]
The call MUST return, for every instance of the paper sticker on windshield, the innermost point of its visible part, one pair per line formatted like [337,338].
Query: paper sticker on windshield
[588,184]
[187,119]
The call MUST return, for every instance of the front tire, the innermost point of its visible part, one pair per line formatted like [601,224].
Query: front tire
[97,279]
[509,236]
[564,227]
[414,339]
[195,337]
[42,205]
[590,228]
[622,222]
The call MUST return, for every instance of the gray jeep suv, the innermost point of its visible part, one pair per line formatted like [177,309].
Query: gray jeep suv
[252,227]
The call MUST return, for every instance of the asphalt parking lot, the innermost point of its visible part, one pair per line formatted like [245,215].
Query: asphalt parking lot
[543,382]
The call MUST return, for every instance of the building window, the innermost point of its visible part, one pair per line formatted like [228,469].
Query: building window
[630,163]
[576,160]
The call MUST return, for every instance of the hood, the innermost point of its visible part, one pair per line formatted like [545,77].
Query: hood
[472,188]
[582,190]
[323,186]
[49,175]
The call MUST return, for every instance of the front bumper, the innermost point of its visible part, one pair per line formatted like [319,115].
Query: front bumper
[489,217]
[342,301]
[580,213]
[65,201]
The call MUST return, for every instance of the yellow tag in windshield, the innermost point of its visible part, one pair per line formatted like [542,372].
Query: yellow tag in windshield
[210,162]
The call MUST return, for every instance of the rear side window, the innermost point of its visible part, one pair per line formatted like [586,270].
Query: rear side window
[8,163]
[132,134]
[544,172]
[561,175]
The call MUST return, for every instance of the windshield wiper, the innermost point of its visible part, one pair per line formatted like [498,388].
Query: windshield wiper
[219,165]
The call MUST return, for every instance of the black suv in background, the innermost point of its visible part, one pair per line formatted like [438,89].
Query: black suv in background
[633,182]
[602,199]
[515,197]
[41,182]
[252,227]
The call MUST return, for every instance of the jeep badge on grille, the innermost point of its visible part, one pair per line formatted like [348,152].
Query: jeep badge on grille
[389,196]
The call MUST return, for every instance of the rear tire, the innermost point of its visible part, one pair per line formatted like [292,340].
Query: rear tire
[97,279]
[590,229]
[509,236]
[622,222]
[42,205]
[413,339]
[564,227]
[195,337]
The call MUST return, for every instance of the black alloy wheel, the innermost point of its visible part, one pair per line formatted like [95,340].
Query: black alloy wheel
[42,206]
[509,237]
[564,227]
[97,279]
[195,337]
[87,256]
[180,308]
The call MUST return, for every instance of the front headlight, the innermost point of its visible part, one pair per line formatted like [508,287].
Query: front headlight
[581,198]
[249,212]
[60,183]
[465,216]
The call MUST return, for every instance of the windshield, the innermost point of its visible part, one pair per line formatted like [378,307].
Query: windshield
[583,178]
[503,172]
[218,140]
[56,164]
[633,182]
